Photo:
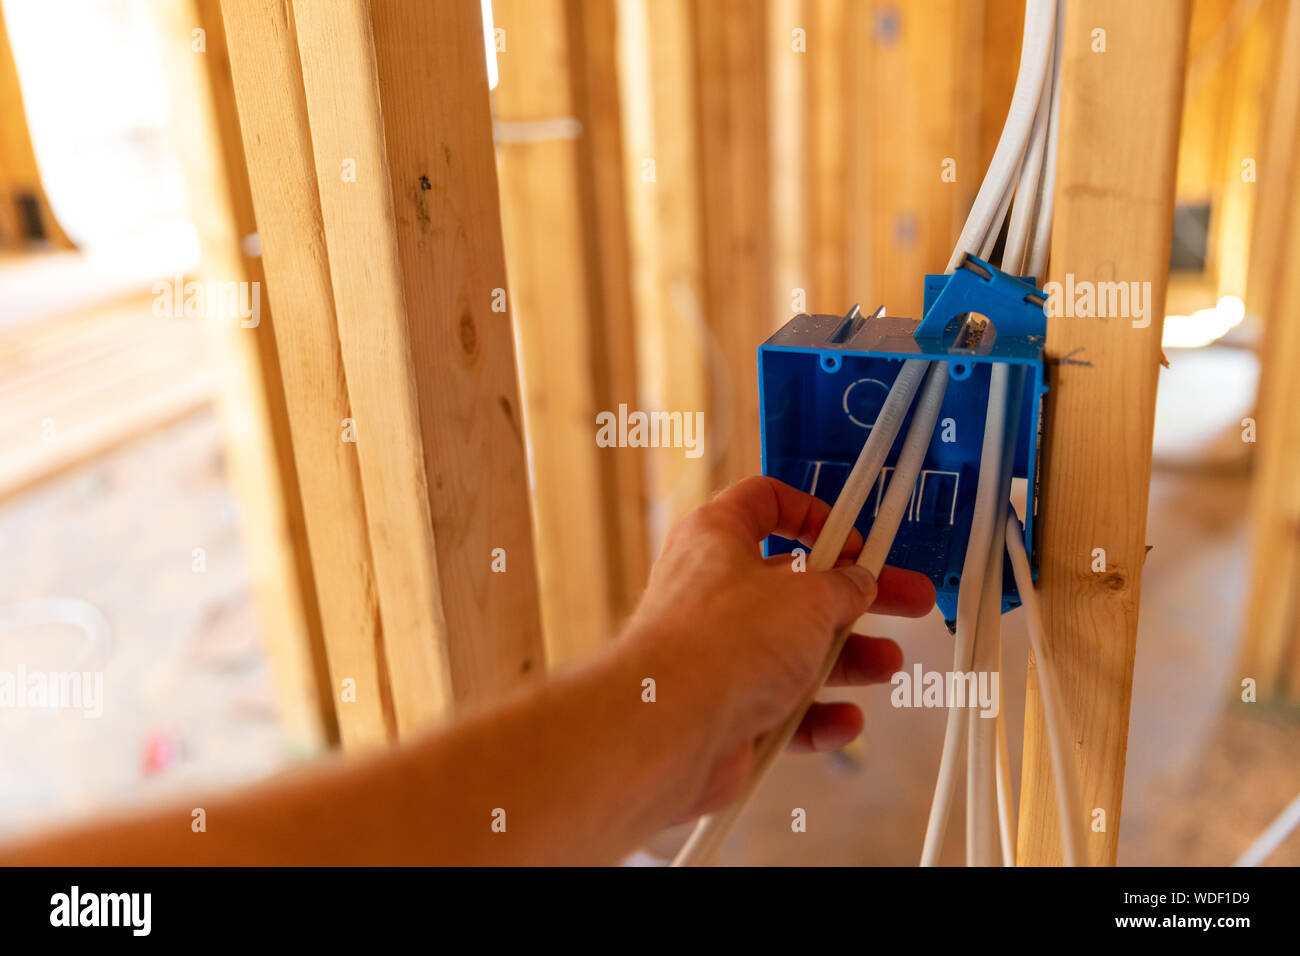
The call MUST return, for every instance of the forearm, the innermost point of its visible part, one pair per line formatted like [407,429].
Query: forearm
[577,770]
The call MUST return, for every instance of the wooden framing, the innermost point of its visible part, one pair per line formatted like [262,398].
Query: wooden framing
[628,288]
[398,272]
[1271,636]
[880,202]
[923,165]
[26,219]
[734,168]
[793,150]
[1250,73]
[1114,205]
[1001,27]
[1277,168]
[825,144]
[340,81]
[273,115]
[1230,73]
[563,217]
[656,82]
[593,38]
[250,398]
[1278,159]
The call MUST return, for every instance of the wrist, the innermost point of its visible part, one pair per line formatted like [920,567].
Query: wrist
[681,711]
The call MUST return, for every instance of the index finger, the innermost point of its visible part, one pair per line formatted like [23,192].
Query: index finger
[903,593]
[761,505]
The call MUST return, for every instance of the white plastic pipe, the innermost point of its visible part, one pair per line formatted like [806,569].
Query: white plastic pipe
[1020,229]
[1273,837]
[706,839]
[1058,733]
[865,471]
[1006,803]
[1035,50]
[982,844]
[1042,243]
[983,818]
[901,485]
[983,524]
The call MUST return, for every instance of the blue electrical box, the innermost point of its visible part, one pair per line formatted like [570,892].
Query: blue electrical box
[823,379]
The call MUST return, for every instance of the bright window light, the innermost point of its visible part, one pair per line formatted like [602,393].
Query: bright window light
[1204,325]
[489,40]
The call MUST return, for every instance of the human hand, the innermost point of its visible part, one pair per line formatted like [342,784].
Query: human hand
[749,635]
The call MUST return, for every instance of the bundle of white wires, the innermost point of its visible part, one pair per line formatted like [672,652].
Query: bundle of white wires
[1024,165]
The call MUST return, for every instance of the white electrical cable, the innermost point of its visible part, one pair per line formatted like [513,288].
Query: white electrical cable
[989,826]
[1020,230]
[988,799]
[983,820]
[1040,22]
[1036,266]
[1006,805]
[992,200]
[1273,837]
[1058,735]
[982,846]
[898,495]
[862,478]
[985,250]
[1031,208]
[968,601]
[1027,245]
[706,840]
[986,213]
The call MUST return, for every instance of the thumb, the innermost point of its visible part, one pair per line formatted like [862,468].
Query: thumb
[853,589]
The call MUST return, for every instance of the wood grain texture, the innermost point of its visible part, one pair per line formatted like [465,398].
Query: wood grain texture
[829,73]
[432,77]
[1271,638]
[250,396]
[733,156]
[1231,70]
[656,89]
[910,142]
[1210,46]
[277,140]
[556,318]
[788,111]
[593,41]
[337,51]
[1277,174]
[1252,71]
[1114,202]
[1000,30]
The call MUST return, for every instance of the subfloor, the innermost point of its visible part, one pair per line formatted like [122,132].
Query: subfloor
[189,705]
[98,571]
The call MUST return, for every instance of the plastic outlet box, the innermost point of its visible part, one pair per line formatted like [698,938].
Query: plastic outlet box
[822,381]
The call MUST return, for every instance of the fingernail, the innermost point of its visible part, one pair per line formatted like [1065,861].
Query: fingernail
[863,578]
